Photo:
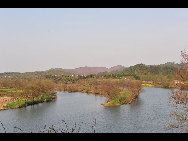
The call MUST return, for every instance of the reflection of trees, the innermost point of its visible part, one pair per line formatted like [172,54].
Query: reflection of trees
[137,102]
[179,97]
[30,111]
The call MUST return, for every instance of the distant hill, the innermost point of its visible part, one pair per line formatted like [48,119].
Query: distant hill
[116,68]
[139,69]
[90,70]
[55,71]
[93,70]
[142,69]
[59,71]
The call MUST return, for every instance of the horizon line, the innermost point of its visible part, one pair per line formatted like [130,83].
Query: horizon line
[83,67]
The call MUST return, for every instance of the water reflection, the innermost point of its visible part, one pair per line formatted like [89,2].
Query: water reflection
[33,111]
[113,111]
[138,102]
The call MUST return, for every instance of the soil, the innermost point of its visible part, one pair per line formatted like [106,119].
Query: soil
[4,101]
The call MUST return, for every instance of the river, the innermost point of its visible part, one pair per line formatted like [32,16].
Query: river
[150,113]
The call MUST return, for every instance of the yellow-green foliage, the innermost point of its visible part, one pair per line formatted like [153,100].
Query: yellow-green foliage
[11,92]
[147,85]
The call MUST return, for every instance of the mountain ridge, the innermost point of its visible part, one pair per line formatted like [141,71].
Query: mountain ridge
[93,70]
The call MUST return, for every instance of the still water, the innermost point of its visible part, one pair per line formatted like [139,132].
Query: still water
[150,113]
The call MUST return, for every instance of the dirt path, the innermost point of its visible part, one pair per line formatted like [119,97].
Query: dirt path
[4,101]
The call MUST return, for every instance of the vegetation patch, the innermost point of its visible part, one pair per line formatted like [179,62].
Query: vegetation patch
[24,92]
[111,104]
[30,91]
[24,103]
[118,91]
[147,85]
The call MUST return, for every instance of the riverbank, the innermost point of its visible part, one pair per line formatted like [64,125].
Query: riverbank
[24,92]
[25,103]
[117,91]
[159,84]
[8,103]
[13,99]
[4,101]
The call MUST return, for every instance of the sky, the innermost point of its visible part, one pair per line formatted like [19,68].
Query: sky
[37,39]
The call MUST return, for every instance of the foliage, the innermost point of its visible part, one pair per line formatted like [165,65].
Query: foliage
[179,96]
[30,91]
[23,103]
[122,91]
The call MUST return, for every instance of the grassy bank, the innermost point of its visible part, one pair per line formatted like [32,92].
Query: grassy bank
[122,98]
[168,84]
[24,102]
[13,98]
[24,92]
[17,93]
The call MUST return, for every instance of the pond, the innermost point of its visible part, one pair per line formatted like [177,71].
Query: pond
[150,113]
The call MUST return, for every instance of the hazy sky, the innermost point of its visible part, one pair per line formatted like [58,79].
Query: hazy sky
[40,39]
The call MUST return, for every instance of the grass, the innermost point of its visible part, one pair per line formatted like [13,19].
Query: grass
[16,104]
[147,85]
[23,103]
[5,89]
[161,84]
[122,98]
[10,92]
